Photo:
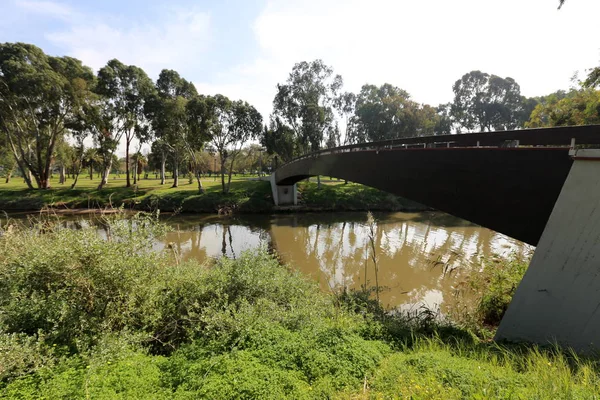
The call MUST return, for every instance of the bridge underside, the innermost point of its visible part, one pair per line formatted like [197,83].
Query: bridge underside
[509,190]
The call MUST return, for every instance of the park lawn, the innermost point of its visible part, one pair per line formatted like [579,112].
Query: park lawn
[248,194]
[15,196]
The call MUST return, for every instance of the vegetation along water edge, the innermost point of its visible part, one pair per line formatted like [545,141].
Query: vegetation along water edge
[87,316]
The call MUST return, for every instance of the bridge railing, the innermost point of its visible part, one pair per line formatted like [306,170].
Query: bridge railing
[557,136]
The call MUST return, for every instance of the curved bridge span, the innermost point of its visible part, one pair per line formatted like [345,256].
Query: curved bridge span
[506,181]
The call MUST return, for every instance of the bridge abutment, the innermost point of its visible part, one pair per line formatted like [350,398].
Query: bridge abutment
[558,299]
[283,195]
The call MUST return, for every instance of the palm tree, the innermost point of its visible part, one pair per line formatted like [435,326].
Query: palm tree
[91,159]
[139,162]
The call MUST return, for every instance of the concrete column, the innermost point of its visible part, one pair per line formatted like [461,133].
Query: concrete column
[558,300]
[283,195]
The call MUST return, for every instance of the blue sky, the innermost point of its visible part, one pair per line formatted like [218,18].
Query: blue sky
[243,48]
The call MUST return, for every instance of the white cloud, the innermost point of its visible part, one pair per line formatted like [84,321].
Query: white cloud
[48,8]
[178,39]
[421,46]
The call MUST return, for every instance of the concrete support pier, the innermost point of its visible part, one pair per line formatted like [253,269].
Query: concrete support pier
[558,300]
[284,195]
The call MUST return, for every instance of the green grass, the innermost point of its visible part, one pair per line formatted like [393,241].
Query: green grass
[247,195]
[86,317]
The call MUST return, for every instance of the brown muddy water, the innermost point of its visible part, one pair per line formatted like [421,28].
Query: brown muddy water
[423,258]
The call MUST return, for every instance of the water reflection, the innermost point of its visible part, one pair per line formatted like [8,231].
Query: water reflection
[422,257]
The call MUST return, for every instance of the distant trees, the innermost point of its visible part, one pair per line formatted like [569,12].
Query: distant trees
[388,112]
[484,102]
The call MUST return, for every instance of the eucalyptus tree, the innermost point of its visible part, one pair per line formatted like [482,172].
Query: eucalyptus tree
[39,95]
[160,149]
[345,105]
[385,112]
[235,122]
[7,160]
[484,102]
[278,140]
[170,118]
[306,103]
[126,89]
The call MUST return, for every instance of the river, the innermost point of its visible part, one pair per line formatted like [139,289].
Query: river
[422,258]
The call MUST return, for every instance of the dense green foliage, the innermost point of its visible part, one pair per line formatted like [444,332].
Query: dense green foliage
[85,316]
[491,290]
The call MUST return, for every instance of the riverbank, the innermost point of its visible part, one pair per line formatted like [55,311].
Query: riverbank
[246,195]
[117,319]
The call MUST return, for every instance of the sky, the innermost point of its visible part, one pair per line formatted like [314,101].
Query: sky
[243,48]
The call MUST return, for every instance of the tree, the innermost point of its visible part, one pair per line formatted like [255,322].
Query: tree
[63,156]
[387,112]
[278,140]
[7,160]
[579,107]
[345,105]
[487,102]
[234,124]
[180,121]
[126,88]
[160,150]
[91,160]
[39,94]
[305,102]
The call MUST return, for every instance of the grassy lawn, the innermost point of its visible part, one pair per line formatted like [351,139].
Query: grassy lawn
[248,194]
[147,192]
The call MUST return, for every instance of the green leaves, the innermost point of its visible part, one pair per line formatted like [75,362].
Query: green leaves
[39,97]
[487,102]
[306,102]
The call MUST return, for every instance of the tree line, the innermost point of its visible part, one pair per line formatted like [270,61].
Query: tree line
[50,107]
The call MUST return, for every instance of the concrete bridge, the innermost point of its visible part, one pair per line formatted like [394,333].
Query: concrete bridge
[541,186]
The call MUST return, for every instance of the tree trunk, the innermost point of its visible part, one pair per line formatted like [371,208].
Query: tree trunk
[198,176]
[8,175]
[135,173]
[175,172]
[127,162]
[223,175]
[105,175]
[163,162]
[27,178]
[75,177]
[230,171]
[62,178]
[318,181]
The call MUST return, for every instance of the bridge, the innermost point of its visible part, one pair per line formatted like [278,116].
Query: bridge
[540,186]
